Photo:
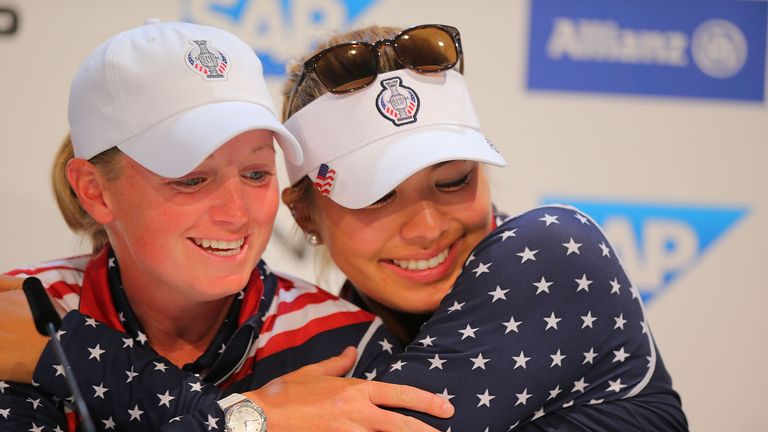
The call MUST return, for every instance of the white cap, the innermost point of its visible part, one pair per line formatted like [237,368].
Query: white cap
[373,139]
[169,94]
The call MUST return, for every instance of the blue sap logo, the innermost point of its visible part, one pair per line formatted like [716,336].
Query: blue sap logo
[712,49]
[657,243]
[278,30]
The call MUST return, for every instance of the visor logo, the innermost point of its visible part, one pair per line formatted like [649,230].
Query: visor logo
[397,103]
[208,61]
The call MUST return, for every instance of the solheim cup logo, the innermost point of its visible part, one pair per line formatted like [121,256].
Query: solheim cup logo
[207,60]
[397,103]
[719,48]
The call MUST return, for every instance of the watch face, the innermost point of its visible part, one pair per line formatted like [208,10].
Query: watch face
[244,417]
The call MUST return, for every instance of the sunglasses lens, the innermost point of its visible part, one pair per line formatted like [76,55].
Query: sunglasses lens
[347,67]
[427,49]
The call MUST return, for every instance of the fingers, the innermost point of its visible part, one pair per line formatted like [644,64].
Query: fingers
[394,422]
[401,396]
[10,283]
[334,366]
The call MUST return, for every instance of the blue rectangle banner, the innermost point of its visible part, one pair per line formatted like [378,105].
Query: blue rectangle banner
[689,48]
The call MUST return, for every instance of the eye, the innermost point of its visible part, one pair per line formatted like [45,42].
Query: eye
[383,200]
[455,184]
[257,176]
[189,182]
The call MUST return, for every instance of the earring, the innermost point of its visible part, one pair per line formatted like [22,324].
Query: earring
[313,238]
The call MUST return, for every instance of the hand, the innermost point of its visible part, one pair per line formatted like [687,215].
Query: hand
[20,343]
[315,398]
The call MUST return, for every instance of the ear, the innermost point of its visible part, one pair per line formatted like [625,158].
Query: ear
[89,186]
[300,209]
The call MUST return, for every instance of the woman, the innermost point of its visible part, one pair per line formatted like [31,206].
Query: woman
[171,172]
[403,206]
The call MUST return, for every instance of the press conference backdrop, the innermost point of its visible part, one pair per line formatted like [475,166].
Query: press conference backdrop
[651,116]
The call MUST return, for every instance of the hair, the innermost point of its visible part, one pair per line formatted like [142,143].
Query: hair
[74,214]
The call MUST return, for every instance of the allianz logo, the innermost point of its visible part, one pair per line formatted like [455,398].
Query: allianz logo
[718,47]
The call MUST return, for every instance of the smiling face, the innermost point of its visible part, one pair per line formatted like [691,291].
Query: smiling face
[406,250]
[195,238]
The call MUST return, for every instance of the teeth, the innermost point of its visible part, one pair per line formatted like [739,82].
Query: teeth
[220,247]
[423,264]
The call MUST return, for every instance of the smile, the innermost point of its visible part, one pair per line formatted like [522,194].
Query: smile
[220,247]
[423,264]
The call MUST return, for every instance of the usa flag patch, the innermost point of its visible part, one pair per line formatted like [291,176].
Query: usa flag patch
[325,178]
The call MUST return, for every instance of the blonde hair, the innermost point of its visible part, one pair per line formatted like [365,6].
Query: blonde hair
[74,214]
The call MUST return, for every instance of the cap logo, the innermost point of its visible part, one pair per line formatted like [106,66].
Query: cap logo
[207,60]
[325,178]
[397,103]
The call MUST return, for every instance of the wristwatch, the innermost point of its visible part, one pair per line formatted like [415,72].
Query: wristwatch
[242,415]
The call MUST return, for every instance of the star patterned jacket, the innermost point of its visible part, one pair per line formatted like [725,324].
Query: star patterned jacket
[541,331]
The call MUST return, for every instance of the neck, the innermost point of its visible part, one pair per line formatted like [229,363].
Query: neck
[178,329]
[405,326]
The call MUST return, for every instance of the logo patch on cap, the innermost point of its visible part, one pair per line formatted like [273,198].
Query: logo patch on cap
[207,60]
[397,103]
[325,178]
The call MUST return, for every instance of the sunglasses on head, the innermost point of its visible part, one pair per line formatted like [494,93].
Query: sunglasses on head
[351,66]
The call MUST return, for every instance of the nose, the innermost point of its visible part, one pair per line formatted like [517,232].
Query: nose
[425,224]
[230,206]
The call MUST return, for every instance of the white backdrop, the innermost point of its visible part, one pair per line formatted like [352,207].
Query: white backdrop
[708,321]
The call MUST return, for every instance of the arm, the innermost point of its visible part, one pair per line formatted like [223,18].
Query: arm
[20,343]
[530,328]
[24,408]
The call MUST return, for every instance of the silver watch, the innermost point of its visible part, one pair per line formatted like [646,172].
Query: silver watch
[242,415]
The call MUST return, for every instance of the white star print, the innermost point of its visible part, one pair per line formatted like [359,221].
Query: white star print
[468,332]
[557,359]
[3,386]
[635,292]
[620,321]
[109,423]
[160,366]
[620,355]
[131,374]
[59,370]
[141,338]
[469,260]
[127,343]
[549,219]
[567,404]
[96,352]
[589,356]
[538,413]
[100,390]
[522,398]
[553,393]
[221,350]
[175,419]
[427,341]
[520,360]
[370,375]
[135,413]
[527,254]
[485,399]
[583,283]
[60,333]
[644,326]
[456,306]
[581,218]
[36,428]
[507,234]
[588,320]
[605,249]
[498,294]
[211,423]
[386,346]
[35,403]
[579,385]
[398,365]
[91,322]
[57,429]
[595,401]
[572,247]
[542,285]
[511,325]
[615,286]
[111,262]
[482,268]
[445,395]
[615,385]
[552,321]
[165,399]
[121,317]
[196,386]
[436,363]
[5,413]
[479,362]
